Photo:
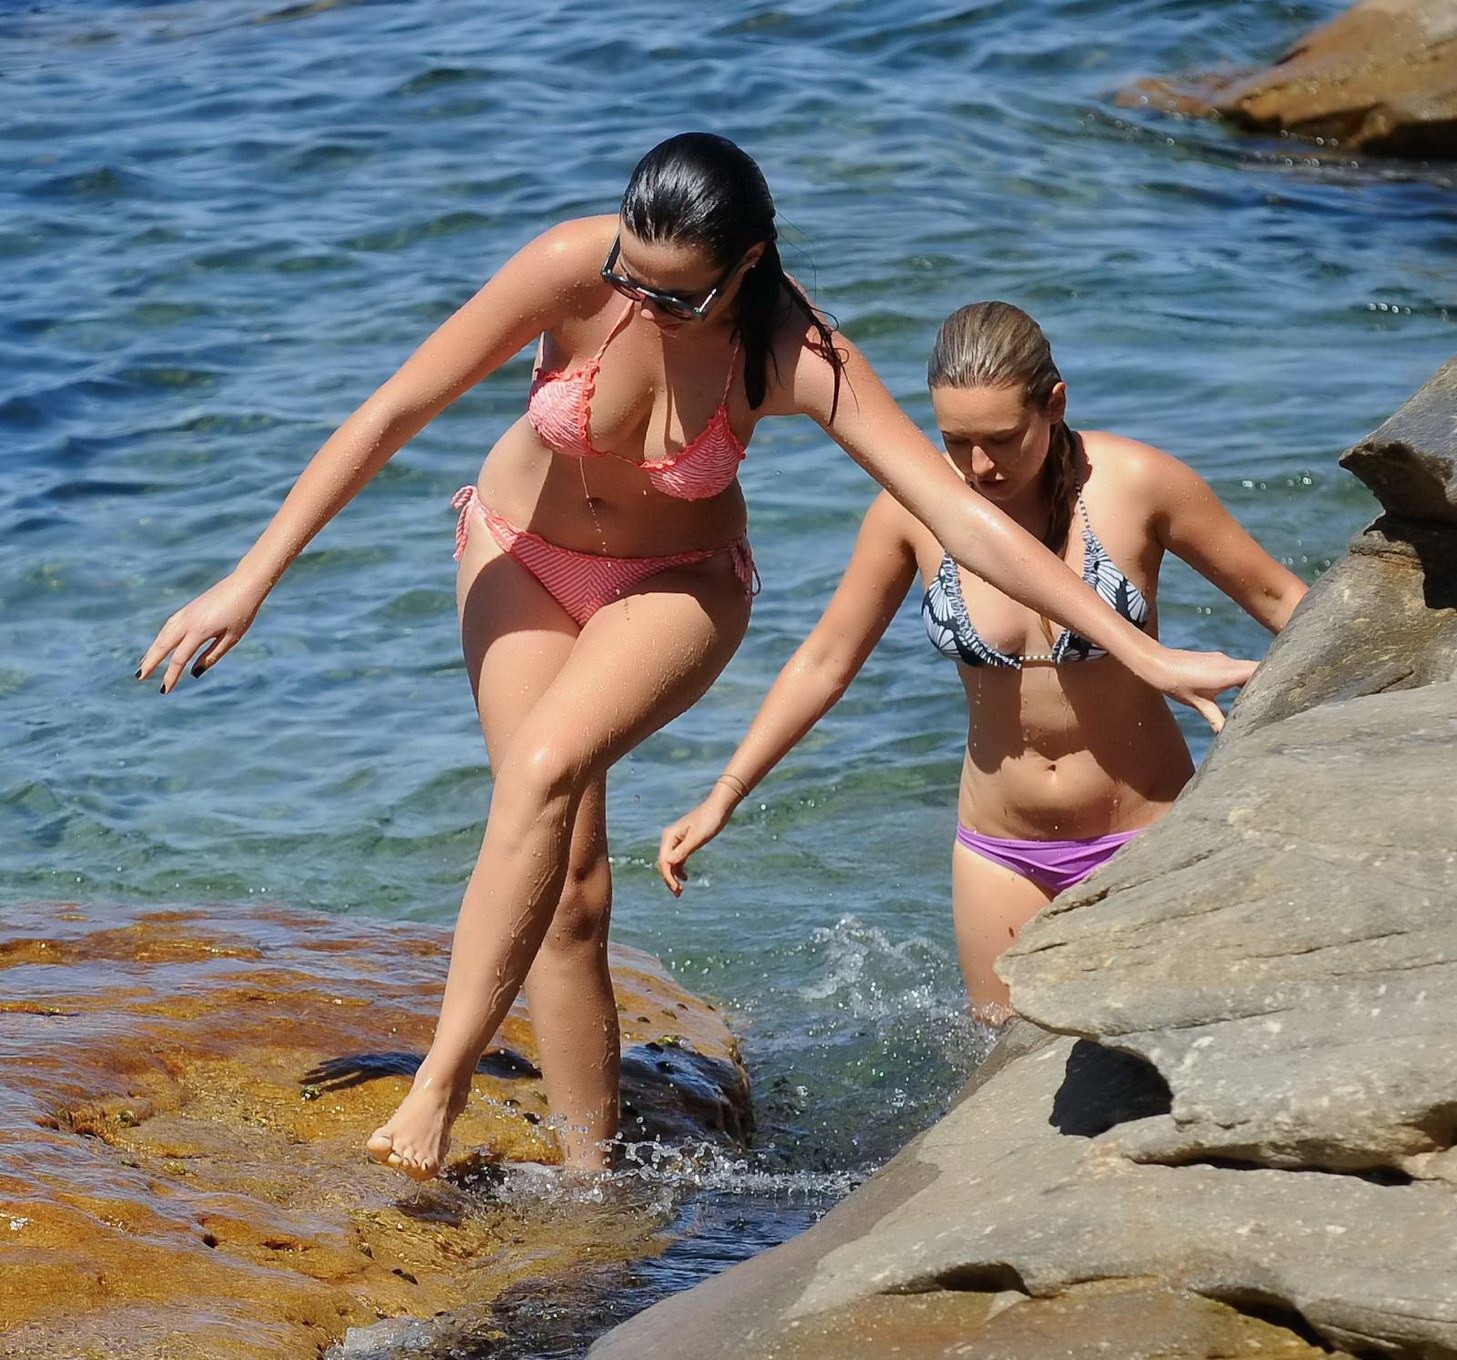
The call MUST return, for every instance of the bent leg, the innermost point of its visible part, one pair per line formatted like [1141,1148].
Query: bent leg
[569,994]
[990,904]
[512,659]
[515,638]
[569,988]
[637,663]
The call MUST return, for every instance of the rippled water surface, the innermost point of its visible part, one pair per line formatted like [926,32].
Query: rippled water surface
[223,223]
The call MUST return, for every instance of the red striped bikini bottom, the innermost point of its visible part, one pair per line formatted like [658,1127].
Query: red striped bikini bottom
[583,582]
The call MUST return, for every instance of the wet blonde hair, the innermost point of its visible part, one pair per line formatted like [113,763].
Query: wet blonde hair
[994,344]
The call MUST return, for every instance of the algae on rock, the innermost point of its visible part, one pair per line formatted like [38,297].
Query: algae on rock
[184,1098]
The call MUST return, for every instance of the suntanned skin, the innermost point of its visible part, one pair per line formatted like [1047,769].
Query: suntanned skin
[1052,752]
[559,704]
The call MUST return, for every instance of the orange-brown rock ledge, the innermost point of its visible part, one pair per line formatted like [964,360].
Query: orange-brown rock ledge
[184,1098]
[1380,79]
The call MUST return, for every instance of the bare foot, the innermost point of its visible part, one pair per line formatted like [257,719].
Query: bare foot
[416,1137]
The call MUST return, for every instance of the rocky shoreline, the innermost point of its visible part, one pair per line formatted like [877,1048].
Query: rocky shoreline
[184,1098]
[1225,1125]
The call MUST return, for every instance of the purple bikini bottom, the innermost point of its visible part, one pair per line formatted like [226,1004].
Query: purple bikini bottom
[1055,865]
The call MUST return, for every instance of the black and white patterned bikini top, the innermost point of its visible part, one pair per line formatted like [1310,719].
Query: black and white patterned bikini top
[953,634]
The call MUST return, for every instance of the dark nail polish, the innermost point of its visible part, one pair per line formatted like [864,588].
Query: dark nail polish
[161,689]
[138,675]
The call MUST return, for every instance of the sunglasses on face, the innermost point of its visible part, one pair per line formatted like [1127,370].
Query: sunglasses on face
[670,304]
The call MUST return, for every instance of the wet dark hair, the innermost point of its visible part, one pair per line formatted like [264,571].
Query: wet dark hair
[994,344]
[699,189]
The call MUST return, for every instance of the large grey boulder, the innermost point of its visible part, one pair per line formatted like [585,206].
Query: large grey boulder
[1285,953]
[1225,1126]
[1283,947]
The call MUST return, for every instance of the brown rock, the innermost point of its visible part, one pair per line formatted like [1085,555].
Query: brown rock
[184,1098]
[1380,78]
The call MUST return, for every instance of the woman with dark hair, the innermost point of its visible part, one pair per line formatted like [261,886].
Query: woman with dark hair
[1064,762]
[605,576]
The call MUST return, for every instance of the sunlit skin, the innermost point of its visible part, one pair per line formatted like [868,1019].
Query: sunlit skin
[1052,753]
[559,702]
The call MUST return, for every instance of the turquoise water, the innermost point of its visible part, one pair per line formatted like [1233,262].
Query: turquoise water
[223,224]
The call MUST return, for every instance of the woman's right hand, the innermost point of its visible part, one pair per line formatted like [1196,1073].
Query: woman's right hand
[215,622]
[692,833]
[1197,678]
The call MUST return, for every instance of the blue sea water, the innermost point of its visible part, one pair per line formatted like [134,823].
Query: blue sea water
[222,222]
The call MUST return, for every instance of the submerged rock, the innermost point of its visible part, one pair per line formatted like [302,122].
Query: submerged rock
[184,1098]
[1381,78]
[1226,1126]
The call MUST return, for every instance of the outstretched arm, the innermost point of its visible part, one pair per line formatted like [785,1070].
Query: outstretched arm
[1192,523]
[872,429]
[530,293]
[881,570]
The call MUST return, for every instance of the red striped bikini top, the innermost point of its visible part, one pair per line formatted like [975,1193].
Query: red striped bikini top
[559,406]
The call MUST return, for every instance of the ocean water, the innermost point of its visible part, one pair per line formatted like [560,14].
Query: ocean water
[222,222]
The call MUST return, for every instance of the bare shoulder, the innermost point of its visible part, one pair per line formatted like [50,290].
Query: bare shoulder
[890,524]
[1136,472]
[580,243]
[564,263]
[804,367]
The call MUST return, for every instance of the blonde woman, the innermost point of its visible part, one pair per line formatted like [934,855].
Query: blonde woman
[1069,753]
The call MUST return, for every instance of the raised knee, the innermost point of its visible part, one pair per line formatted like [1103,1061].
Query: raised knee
[541,773]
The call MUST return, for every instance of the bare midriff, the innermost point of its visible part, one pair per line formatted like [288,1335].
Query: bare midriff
[1067,752]
[600,505]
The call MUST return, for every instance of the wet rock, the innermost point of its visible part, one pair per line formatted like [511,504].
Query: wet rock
[1381,78]
[184,1098]
[1226,1125]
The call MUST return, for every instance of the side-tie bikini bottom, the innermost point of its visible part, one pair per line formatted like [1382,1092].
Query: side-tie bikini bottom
[583,582]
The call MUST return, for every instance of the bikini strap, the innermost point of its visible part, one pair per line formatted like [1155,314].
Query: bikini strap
[1083,511]
[616,327]
[728,384]
[601,349]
